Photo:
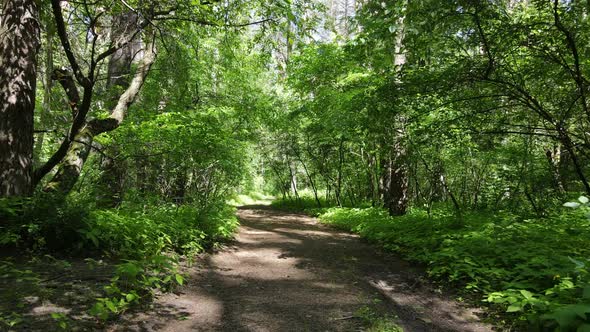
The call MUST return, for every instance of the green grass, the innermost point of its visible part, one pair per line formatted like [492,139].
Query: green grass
[308,204]
[525,268]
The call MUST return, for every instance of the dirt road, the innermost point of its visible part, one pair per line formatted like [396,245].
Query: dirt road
[285,272]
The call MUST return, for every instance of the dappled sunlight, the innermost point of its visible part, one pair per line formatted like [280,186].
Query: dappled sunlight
[328,285]
[252,232]
[448,314]
[294,165]
[285,272]
[317,233]
[47,308]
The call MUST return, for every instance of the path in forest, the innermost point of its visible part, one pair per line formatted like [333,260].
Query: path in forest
[286,272]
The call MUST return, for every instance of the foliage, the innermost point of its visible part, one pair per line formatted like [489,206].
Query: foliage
[376,322]
[418,106]
[252,198]
[526,267]
[151,231]
[306,204]
[135,280]
[148,241]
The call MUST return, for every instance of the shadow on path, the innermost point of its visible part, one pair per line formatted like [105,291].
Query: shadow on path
[285,272]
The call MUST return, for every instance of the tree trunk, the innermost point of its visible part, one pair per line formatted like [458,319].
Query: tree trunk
[396,177]
[19,44]
[396,170]
[554,159]
[71,166]
[110,182]
[338,189]
[293,179]
[119,69]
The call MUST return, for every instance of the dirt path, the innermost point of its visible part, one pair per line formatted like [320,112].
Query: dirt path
[287,273]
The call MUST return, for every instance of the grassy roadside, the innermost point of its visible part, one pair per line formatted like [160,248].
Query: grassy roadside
[535,273]
[71,268]
[532,273]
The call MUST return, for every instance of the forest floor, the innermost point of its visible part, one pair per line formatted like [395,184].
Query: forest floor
[287,272]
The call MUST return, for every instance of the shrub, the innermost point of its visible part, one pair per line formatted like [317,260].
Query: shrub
[532,269]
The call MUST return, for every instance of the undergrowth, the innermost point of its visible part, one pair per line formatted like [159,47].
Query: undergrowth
[535,271]
[307,203]
[252,198]
[145,243]
[376,322]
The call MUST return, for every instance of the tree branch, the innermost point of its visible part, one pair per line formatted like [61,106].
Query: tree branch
[571,44]
[66,80]
[63,37]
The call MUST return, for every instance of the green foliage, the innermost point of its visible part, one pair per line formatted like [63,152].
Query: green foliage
[61,319]
[10,320]
[252,198]
[148,240]
[305,203]
[42,222]
[376,322]
[487,109]
[144,232]
[525,267]
[135,280]
[11,316]
[152,238]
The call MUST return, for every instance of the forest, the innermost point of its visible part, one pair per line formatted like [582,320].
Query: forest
[141,139]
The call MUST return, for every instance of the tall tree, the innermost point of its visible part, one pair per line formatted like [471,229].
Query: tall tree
[19,43]
[395,173]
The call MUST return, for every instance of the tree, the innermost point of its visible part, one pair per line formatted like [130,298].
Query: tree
[19,44]
[395,174]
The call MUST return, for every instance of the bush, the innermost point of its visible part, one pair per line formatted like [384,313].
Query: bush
[145,242]
[136,233]
[528,268]
[131,232]
[42,222]
[308,204]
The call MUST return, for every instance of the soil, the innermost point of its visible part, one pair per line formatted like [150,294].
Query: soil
[286,272]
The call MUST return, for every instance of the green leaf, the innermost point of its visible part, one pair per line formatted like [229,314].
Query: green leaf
[179,279]
[514,307]
[111,306]
[583,199]
[527,295]
[572,205]
[131,297]
[567,315]
[57,315]
[584,328]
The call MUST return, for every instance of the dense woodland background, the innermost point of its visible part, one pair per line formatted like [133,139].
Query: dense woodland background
[451,132]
